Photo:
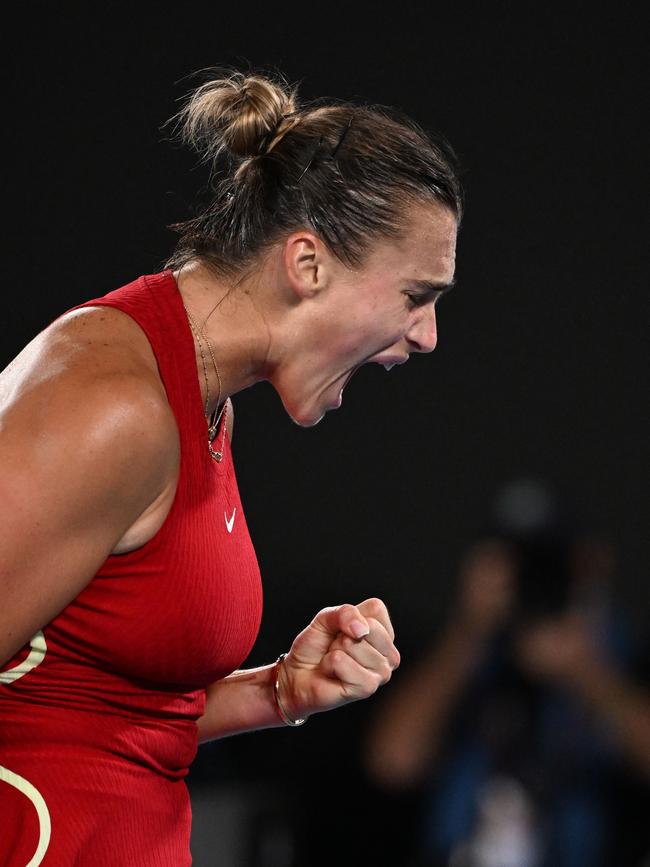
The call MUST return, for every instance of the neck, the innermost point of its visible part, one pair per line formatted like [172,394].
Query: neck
[235,330]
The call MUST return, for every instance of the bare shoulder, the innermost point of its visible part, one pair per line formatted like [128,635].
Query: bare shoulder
[79,348]
[106,334]
[90,377]
[88,442]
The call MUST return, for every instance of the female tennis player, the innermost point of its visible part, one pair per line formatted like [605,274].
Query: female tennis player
[130,589]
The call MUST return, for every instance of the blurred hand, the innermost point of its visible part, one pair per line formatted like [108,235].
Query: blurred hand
[332,662]
[561,649]
[487,586]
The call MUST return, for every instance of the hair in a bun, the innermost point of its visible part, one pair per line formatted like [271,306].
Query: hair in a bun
[350,172]
[235,114]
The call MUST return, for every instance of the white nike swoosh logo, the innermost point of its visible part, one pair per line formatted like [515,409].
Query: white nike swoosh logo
[229,523]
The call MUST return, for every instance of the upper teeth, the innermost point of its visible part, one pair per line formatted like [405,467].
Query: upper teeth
[388,366]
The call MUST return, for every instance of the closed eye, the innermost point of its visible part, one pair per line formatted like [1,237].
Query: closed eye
[421,292]
[419,299]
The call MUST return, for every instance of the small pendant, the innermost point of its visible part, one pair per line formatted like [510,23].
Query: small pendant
[216,455]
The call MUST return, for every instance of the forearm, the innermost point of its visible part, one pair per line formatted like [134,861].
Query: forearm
[241,702]
[407,735]
[622,705]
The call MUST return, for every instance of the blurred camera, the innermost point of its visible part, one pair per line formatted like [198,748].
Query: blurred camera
[528,515]
[543,577]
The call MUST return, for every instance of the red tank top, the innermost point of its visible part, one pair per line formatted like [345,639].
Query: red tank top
[97,714]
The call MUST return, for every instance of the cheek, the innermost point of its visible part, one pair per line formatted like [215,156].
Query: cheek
[365,328]
[346,336]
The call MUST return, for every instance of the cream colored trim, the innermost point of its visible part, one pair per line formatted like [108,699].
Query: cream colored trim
[38,801]
[36,655]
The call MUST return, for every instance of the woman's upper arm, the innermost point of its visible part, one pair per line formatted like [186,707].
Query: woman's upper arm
[82,455]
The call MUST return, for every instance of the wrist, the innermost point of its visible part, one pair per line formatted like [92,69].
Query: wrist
[280,695]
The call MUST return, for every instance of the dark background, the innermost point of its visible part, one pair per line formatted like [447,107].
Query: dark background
[541,365]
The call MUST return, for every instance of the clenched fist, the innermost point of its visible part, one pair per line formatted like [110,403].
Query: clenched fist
[346,653]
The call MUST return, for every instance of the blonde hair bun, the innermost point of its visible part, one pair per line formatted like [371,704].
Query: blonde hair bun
[234,113]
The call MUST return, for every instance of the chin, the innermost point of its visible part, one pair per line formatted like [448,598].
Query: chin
[306,407]
[305,419]
[304,416]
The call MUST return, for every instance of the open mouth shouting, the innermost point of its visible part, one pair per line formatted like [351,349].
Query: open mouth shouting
[387,362]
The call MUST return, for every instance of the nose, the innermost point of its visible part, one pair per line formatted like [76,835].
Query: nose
[423,333]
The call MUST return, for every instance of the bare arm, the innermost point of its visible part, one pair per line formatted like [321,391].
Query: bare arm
[241,702]
[564,651]
[624,706]
[405,737]
[83,453]
[345,654]
[406,734]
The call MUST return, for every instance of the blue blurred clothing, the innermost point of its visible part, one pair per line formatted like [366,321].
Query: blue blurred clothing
[508,727]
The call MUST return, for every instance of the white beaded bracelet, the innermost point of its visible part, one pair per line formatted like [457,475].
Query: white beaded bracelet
[278,706]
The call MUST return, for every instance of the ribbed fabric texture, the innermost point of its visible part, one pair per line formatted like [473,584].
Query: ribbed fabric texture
[97,715]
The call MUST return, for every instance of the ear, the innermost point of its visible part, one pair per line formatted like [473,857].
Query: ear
[307,264]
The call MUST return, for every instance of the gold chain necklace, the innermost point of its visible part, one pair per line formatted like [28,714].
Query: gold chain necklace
[215,418]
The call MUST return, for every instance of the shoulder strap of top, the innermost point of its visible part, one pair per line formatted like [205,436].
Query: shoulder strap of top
[154,302]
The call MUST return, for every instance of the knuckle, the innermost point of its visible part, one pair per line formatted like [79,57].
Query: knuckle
[323,613]
[375,606]
[371,684]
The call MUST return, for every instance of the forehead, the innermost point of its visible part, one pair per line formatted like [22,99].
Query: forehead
[427,249]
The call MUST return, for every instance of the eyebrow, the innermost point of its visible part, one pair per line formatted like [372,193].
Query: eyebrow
[433,287]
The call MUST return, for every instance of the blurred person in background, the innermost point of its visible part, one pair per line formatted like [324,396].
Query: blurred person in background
[525,728]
